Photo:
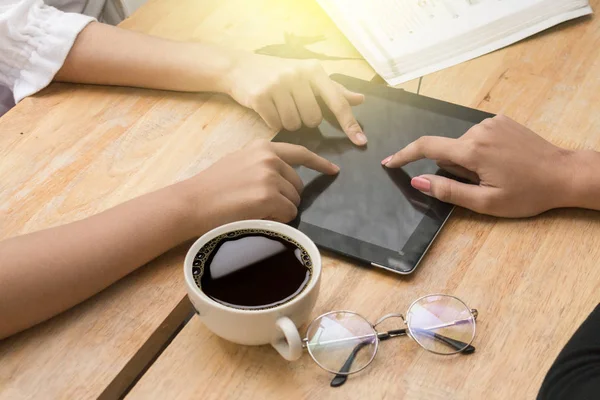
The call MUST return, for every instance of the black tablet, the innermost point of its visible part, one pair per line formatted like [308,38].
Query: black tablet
[369,212]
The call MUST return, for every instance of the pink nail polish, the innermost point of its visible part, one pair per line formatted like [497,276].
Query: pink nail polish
[421,184]
[386,160]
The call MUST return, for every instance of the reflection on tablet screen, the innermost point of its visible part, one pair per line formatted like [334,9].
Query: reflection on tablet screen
[366,201]
[369,211]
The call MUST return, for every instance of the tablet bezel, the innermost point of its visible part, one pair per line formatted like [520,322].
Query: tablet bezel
[405,261]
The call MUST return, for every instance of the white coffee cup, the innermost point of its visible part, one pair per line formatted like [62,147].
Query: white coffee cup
[278,325]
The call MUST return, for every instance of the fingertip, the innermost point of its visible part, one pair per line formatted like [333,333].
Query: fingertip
[355,98]
[393,161]
[359,139]
[335,169]
[421,184]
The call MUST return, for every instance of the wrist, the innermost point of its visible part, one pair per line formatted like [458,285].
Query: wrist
[230,70]
[582,188]
[198,204]
[213,67]
[177,202]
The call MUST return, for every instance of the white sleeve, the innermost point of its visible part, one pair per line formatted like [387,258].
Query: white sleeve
[35,40]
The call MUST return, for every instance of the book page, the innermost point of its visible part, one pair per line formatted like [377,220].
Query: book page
[387,29]
[401,19]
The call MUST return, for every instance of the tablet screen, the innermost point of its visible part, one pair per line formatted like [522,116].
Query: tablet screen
[365,201]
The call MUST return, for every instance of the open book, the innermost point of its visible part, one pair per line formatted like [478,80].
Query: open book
[406,39]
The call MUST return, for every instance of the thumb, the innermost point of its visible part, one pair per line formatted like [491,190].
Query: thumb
[450,191]
[353,98]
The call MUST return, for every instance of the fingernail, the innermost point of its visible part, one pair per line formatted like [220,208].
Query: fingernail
[360,138]
[336,169]
[421,184]
[387,160]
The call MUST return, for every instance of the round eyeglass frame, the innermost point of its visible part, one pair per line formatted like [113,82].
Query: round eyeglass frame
[344,312]
[473,315]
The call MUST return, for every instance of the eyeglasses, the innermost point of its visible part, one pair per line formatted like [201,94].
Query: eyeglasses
[344,342]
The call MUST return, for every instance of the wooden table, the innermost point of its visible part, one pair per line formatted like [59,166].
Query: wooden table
[72,151]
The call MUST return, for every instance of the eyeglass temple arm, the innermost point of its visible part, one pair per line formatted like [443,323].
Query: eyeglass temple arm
[455,344]
[340,379]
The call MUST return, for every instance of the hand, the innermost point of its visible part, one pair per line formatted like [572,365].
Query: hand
[257,182]
[283,92]
[515,172]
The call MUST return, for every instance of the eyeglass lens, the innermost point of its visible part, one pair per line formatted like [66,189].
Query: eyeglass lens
[441,324]
[342,342]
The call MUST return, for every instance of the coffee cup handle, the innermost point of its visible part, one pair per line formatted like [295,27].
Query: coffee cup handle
[290,345]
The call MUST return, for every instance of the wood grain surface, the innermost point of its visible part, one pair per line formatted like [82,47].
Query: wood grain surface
[72,151]
[533,280]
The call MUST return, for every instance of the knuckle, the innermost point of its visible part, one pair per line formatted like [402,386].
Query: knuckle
[421,143]
[272,85]
[257,96]
[264,195]
[469,158]
[352,126]
[292,213]
[472,148]
[444,192]
[486,204]
[487,124]
[477,144]
[473,131]
[313,66]
[500,118]
[338,107]
[297,199]
[482,140]
[287,211]
[425,140]
[314,120]
[269,159]
[303,152]
[292,124]
[295,124]
[299,185]
[267,176]
[288,76]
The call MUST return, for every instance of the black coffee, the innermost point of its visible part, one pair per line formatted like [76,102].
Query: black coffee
[252,269]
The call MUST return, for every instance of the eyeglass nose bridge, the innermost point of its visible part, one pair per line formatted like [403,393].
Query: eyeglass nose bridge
[388,316]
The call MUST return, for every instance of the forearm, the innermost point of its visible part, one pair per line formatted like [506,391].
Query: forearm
[47,272]
[107,55]
[585,180]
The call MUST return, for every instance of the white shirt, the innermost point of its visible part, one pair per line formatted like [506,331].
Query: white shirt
[35,39]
